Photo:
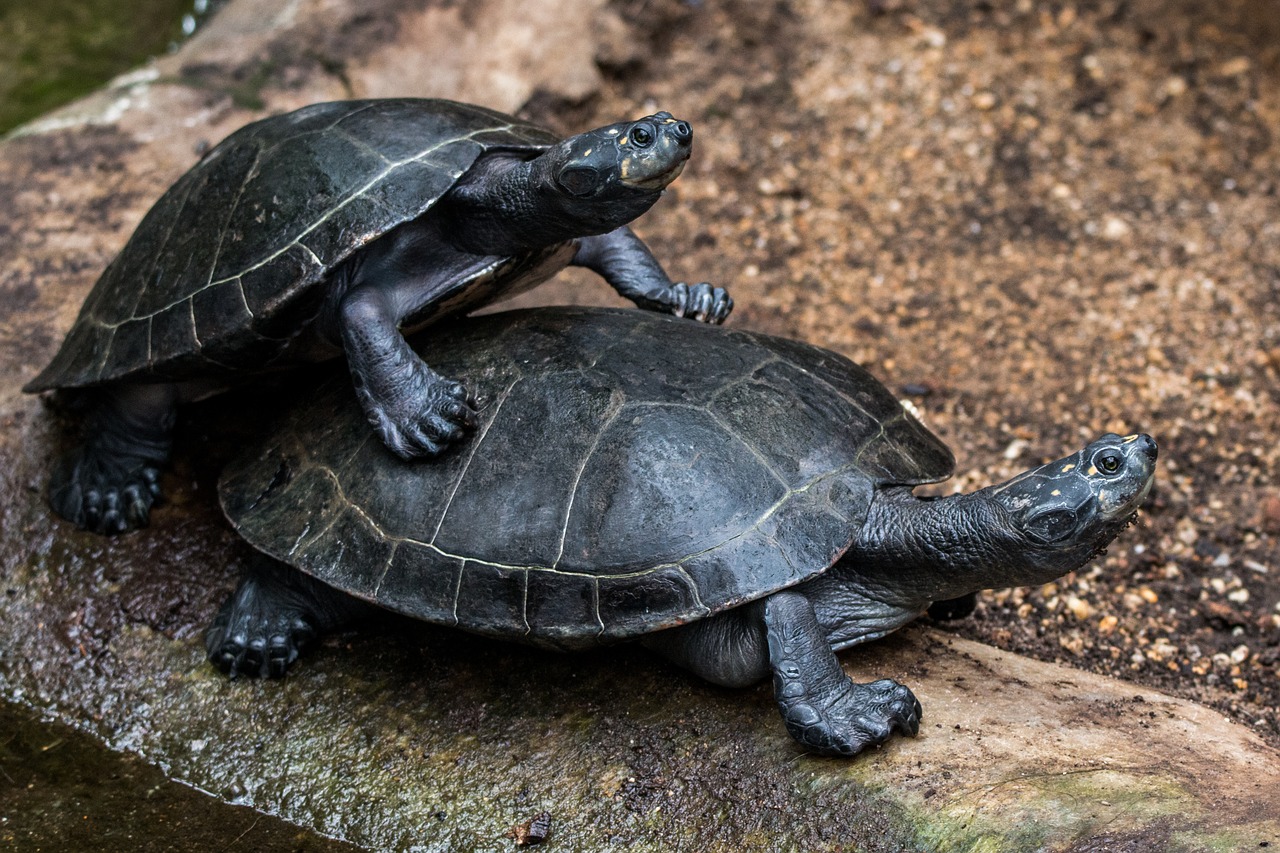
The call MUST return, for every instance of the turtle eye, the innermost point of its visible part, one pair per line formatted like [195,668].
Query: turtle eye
[641,136]
[1108,462]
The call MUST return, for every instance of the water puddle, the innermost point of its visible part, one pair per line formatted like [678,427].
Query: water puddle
[61,789]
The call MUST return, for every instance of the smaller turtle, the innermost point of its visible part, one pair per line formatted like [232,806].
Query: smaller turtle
[327,230]
[740,503]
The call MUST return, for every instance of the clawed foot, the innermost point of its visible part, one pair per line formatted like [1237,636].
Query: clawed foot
[105,494]
[850,721]
[700,302]
[256,637]
[422,415]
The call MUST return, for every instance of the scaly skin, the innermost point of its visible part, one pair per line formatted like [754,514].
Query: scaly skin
[109,484]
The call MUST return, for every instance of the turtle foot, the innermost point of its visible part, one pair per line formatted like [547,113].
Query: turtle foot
[105,493]
[255,634]
[860,716]
[273,616]
[423,416]
[700,302]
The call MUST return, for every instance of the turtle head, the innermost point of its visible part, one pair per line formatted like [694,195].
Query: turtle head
[611,175]
[1066,512]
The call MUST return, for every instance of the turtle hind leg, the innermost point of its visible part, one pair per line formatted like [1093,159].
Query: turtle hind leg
[822,707]
[109,484]
[272,617]
[953,608]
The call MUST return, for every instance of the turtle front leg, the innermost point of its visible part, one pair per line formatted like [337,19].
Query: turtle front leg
[622,259]
[109,483]
[822,707]
[415,411]
[276,613]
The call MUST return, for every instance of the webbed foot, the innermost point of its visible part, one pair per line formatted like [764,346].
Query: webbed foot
[104,494]
[859,716]
[822,708]
[700,302]
[418,413]
[274,615]
[109,484]
[255,635]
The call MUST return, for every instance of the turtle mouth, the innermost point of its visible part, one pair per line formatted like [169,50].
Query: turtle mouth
[658,181]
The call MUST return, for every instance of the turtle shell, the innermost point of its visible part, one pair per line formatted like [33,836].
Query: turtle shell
[220,273]
[630,472]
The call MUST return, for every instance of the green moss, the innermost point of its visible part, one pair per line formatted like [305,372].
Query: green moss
[55,51]
[1050,810]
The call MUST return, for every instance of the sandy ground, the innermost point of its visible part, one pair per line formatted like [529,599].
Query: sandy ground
[1038,222]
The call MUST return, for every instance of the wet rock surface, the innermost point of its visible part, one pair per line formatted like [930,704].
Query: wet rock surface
[66,791]
[1039,221]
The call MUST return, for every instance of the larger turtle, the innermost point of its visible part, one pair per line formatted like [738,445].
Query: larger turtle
[327,230]
[742,503]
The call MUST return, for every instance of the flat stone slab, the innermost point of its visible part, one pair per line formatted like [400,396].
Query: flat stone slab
[407,737]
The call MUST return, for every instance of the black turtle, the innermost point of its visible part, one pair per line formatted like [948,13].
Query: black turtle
[326,230]
[741,503]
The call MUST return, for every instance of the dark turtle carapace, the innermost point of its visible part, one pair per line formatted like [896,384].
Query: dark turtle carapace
[328,230]
[741,503]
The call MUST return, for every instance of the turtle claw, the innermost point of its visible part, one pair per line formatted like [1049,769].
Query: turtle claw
[249,639]
[105,495]
[274,616]
[701,302]
[425,415]
[864,715]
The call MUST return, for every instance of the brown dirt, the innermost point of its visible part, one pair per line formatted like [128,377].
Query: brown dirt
[1039,221]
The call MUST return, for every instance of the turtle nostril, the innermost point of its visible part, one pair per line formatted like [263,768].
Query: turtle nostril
[682,131]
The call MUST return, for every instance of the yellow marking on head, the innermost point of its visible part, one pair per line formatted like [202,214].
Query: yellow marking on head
[1068,467]
[1056,492]
[624,141]
[1129,438]
[587,153]
[1093,470]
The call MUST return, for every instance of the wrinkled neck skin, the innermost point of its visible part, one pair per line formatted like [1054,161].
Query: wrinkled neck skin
[912,552]
[506,206]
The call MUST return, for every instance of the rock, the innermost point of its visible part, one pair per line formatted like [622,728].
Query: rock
[405,737]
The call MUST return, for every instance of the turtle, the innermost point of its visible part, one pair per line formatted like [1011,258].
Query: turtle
[740,503]
[326,230]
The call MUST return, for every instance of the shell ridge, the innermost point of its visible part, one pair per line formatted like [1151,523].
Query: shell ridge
[577,478]
[760,457]
[386,567]
[771,511]
[191,313]
[475,446]
[186,191]
[101,366]
[693,588]
[222,230]
[746,377]
[839,393]
[524,604]
[338,130]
